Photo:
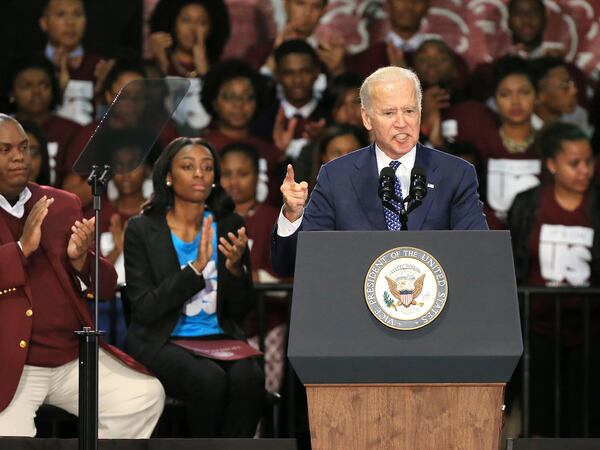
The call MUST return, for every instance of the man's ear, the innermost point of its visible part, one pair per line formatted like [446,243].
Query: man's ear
[43,22]
[551,166]
[366,119]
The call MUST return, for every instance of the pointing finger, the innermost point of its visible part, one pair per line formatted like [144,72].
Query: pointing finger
[289,177]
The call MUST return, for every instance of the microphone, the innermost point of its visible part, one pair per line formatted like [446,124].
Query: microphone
[418,184]
[387,180]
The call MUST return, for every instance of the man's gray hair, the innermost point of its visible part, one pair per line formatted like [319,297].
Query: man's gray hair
[5,117]
[388,74]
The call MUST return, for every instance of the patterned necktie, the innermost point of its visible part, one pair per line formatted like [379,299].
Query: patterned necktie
[391,219]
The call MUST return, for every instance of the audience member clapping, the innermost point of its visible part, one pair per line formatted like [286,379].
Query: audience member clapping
[80,73]
[189,278]
[297,117]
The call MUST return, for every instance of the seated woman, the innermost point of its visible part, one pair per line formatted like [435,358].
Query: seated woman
[555,232]
[188,277]
[239,178]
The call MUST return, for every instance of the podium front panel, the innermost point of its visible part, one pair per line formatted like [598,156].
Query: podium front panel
[334,338]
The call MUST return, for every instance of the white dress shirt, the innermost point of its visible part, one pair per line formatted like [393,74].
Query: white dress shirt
[408,45]
[18,209]
[296,145]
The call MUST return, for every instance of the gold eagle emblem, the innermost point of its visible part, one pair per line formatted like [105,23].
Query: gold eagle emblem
[404,293]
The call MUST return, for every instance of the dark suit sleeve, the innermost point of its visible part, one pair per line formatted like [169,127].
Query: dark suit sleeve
[466,210]
[152,299]
[318,215]
[283,253]
[320,211]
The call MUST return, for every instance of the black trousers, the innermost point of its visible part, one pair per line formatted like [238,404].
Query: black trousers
[222,398]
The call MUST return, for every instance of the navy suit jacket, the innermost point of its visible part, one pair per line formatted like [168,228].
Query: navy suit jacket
[345,198]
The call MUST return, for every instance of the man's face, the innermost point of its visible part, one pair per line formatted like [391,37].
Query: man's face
[558,92]
[526,21]
[304,15]
[32,90]
[406,15]
[236,103]
[15,161]
[394,117]
[434,66]
[64,23]
[297,74]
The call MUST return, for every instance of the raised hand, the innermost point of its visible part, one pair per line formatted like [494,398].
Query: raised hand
[332,52]
[289,31]
[395,55]
[283,132]
[205,247]
[117,231]
[159,43]
[103,67]
[81,238]
[434,100]
[61,61]
[294,196]
[233,249]
[32,231]
[313,128]
[199,50]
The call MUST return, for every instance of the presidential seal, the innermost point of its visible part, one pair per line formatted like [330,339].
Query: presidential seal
[406,288]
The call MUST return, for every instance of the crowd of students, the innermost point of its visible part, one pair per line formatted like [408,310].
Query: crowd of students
[525,121]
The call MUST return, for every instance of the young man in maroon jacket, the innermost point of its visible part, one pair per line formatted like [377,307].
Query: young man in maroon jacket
[45,261]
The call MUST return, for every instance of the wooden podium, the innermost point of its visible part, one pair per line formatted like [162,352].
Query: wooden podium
[371,387]
[405,416]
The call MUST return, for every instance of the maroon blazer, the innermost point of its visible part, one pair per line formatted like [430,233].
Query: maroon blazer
[15,292]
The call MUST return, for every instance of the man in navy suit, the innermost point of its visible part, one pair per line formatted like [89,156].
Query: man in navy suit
[346,194]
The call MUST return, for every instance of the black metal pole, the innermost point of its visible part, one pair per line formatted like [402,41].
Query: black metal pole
[88,388]
[557,365]
[526,363]
[88,337]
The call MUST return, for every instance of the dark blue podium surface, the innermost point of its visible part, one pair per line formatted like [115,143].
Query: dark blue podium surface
[334,338]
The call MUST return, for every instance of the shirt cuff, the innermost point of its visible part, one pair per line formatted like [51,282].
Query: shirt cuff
[286,228]
[194,269]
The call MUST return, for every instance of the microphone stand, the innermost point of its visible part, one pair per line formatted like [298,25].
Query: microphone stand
[88,337]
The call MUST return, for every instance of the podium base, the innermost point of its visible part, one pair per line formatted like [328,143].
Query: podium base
[405,416]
